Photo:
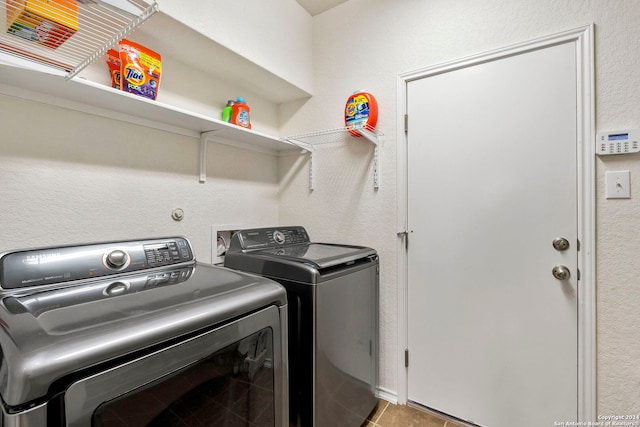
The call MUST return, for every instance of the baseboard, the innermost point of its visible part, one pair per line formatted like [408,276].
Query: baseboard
[388,395]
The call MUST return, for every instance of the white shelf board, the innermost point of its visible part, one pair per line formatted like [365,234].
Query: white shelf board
[178,41]
[89,97]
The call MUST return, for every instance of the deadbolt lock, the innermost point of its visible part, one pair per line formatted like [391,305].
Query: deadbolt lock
[560,244]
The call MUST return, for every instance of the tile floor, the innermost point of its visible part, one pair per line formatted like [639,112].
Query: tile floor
[387,414]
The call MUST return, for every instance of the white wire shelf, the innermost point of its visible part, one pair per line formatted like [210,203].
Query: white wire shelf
[337,135]
[100,25]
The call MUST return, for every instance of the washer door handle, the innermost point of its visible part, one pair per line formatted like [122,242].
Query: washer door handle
[116,288]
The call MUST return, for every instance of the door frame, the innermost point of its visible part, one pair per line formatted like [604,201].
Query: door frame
[586,351]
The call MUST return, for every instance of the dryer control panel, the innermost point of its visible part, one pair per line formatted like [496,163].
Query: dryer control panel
[47,266]
[263,238]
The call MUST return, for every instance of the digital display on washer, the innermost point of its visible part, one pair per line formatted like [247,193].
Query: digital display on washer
[166,252]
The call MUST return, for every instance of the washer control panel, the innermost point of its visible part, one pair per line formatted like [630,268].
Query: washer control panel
[117,259]
[263,238]
[279,237]
[46,266]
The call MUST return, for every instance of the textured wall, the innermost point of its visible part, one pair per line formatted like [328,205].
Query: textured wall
[68,177]
[283,44]
[365,44]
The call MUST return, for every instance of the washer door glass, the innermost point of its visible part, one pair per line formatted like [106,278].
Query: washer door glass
[233,386]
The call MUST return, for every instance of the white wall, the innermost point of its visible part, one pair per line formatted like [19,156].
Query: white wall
[284,43]
[365,44]
[68,177]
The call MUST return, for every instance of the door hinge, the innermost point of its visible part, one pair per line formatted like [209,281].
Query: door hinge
[406,123]
[406,358]
[405,235]
[578,245]
[578,274]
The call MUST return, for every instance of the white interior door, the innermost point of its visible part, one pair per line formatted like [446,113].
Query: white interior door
[492,180]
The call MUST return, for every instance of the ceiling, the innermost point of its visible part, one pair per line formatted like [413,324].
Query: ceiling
[315,7]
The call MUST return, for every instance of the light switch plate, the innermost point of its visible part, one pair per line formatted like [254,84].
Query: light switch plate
[617,185]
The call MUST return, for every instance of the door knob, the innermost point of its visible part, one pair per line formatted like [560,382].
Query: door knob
[561,272]
[560,244]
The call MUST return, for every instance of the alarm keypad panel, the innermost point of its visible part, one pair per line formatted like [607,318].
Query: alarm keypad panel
[618,142]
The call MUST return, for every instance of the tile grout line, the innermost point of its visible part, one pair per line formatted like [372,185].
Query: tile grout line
[375,422]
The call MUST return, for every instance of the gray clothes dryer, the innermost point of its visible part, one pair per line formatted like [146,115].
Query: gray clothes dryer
[332,293]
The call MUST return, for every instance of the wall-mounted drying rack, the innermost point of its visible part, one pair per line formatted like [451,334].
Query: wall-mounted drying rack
[101,24]
[310,140]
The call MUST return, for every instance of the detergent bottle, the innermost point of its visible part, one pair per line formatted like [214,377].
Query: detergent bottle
[227,111]
[240,113]
[361,111]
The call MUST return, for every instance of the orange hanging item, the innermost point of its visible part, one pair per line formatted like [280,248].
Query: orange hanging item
[361,111]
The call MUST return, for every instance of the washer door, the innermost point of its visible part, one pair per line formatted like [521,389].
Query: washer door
[199,378]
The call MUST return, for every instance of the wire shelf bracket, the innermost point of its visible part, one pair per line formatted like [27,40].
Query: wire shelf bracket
[326,136]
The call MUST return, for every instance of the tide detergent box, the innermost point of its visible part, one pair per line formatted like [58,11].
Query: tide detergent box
[46,22]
